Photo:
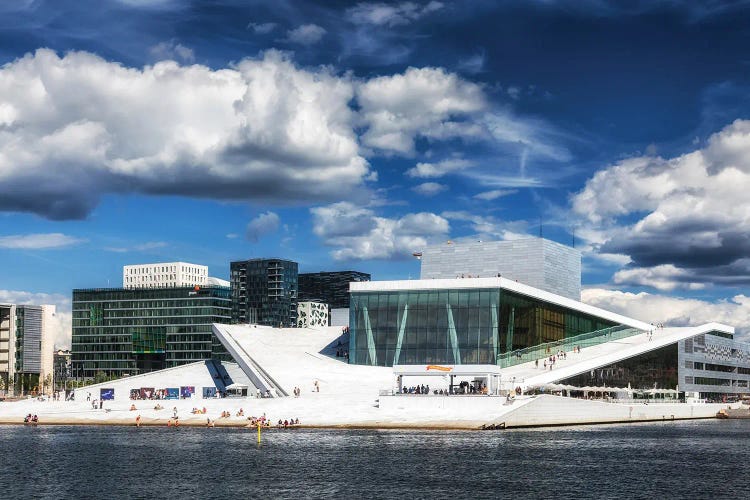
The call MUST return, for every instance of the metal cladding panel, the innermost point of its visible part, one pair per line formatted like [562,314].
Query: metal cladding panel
[31,359]
[537,262]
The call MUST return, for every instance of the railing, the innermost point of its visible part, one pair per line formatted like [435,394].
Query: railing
[583,340]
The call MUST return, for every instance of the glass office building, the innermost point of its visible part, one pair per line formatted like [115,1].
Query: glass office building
[331,288]
[129,331]
[264,291]
[468,323]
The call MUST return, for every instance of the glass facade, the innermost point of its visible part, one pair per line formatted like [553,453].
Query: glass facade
[331,288]
[656,369]
[455,326]
[131,331]
[264,291]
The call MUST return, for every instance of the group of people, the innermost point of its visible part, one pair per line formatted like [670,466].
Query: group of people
[297,391]
[287,423]
[416,389]
[198,411]
[30,419]
[552,359]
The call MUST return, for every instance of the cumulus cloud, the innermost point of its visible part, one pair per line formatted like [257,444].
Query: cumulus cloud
[682,221]
[429,188]
[359,234]
[75,127]
[262,28]
[264,224]
[421,102]
[38,241]
[495,194]
[438,169]
[382,14]
[172,50]
[307,34]
[673,311]
[62,321]
[488,227]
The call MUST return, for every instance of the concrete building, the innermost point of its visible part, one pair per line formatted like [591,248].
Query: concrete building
[164,275]
[26,345]
[536,262]
[264,291]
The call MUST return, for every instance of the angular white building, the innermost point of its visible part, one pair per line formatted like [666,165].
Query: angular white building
[536,262]
[164,275]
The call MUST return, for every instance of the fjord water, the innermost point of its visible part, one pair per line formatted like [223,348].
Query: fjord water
[697,459]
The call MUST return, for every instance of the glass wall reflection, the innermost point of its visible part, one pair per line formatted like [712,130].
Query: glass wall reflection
[455,326]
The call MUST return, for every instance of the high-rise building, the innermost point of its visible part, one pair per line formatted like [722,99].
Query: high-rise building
[543,264]
[164,275]
[26,348]
[264,291]
[331,288]
[119,331]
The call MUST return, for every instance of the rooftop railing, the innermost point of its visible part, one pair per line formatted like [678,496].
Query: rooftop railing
[583,340]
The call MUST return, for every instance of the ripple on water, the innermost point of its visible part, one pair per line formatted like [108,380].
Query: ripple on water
[698,459]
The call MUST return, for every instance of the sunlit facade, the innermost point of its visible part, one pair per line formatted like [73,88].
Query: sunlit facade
[461,321]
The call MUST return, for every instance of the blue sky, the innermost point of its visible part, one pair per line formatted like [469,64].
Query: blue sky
[348,135]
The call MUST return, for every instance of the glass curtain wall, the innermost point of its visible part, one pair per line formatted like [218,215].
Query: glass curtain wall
[653,370]
[463,326]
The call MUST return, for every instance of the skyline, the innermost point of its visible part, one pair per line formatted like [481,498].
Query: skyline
[350,135]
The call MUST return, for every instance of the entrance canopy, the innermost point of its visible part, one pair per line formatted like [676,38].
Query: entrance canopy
[486,375]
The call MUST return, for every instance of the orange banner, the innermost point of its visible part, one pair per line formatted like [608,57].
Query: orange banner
[439,368]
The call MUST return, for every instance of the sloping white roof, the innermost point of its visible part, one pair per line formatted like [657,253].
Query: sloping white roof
[503,283]
[592,358]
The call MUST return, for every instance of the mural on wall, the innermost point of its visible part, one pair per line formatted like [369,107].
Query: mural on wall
[312,314]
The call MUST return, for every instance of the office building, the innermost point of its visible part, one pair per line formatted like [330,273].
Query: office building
[164,275]
[26,339]
[120,331]
[264,291]
[536,262]
[329,287]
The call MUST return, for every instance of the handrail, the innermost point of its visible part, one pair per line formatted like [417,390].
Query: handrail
[588,339]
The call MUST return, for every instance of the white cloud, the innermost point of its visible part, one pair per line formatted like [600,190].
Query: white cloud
[438,169]
[62,325]
[264,224]
[673,311]
[495,194]
[262,28]
[421,102]
[38,241]
[664,277]
[382,14]
[307,34]
[264,130]
[142,247]
[429,188]
[681,222]
[172,50]
[487,227]
[359,234]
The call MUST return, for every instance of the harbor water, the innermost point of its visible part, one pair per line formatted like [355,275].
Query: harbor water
[692,459]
